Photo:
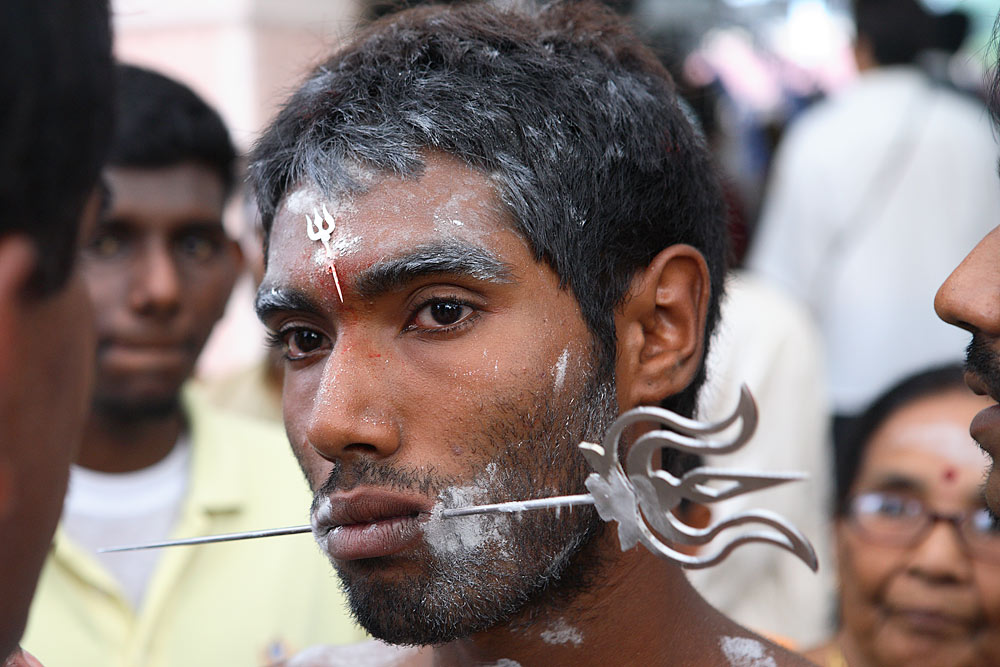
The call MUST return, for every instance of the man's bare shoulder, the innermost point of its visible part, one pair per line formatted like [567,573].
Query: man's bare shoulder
[366,654]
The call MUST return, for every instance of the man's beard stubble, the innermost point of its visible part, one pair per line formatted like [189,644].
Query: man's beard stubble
[126,411]
[483,571]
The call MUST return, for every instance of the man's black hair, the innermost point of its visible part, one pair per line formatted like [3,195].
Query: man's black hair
[161,123]
[55,121]
[898,31]
[938,380]
[562,108]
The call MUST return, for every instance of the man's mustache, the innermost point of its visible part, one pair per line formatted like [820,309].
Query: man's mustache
[364,472]
[982,361]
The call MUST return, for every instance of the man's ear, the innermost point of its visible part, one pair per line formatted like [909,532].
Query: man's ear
[661,326]
[18,260]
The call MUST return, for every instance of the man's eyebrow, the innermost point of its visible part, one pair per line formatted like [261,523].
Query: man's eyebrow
[449,257]
[277,299]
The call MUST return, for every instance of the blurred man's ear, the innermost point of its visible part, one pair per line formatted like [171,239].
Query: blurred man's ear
[18,260]
[660,327]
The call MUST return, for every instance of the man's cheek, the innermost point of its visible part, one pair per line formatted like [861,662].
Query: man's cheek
[315,468]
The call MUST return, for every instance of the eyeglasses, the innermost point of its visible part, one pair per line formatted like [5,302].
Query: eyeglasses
[898,520]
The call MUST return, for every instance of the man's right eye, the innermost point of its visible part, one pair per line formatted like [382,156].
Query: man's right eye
[298,343]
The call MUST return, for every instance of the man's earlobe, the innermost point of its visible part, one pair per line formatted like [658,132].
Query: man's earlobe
[661,327]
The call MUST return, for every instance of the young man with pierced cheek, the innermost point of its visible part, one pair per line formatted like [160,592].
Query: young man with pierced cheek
[475,261]
[56,118]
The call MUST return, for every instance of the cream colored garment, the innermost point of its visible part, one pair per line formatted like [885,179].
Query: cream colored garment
[767,342]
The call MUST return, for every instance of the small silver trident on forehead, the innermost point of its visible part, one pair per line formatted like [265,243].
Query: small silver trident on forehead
[321,229]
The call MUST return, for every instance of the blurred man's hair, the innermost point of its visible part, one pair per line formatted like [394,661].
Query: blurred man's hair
[161,122]
[898,31]
[55,121]
[574,122]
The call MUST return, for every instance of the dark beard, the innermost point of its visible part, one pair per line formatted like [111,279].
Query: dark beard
[126,411]
[480,572]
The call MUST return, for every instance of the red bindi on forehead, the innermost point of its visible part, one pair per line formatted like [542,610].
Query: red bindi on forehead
[949,474]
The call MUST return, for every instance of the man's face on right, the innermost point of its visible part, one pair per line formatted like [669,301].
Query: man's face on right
[455,371]
[970,298]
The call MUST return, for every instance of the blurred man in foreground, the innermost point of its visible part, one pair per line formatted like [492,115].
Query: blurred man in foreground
[155,460]
[55,120]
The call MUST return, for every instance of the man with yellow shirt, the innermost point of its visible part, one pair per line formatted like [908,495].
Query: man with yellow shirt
[158,462]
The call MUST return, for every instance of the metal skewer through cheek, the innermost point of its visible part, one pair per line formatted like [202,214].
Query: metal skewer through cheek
[498,508]
[640,497]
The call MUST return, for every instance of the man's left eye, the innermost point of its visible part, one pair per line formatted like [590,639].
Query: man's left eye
[441,314]
[197,247]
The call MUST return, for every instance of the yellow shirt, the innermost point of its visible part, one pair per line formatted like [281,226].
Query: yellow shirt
[233,603]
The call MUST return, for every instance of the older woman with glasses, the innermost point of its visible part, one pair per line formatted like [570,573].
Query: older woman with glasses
[918,555]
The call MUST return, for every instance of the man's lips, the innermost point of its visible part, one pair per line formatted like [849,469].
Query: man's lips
[368,523]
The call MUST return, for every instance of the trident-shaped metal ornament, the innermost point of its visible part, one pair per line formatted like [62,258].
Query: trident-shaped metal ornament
[642,499]
[320,228]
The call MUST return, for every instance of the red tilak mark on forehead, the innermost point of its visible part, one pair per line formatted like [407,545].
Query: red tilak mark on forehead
[949,475]
[336,281]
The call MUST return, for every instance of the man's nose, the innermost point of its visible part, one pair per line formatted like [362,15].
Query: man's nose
[970,297]
[156,284]
[350,416]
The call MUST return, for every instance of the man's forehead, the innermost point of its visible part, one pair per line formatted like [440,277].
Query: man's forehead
[185,189]
[446,200]
[446,220]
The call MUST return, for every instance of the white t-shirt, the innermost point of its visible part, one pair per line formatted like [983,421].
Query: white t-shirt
[110,509]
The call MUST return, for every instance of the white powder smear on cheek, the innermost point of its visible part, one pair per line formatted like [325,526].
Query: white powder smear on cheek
[561,632]
[322,514]
[464,536]
[745,652]
[560,369]
[460,535]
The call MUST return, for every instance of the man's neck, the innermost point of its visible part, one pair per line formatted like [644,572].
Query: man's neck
[115,445]
[642,611]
